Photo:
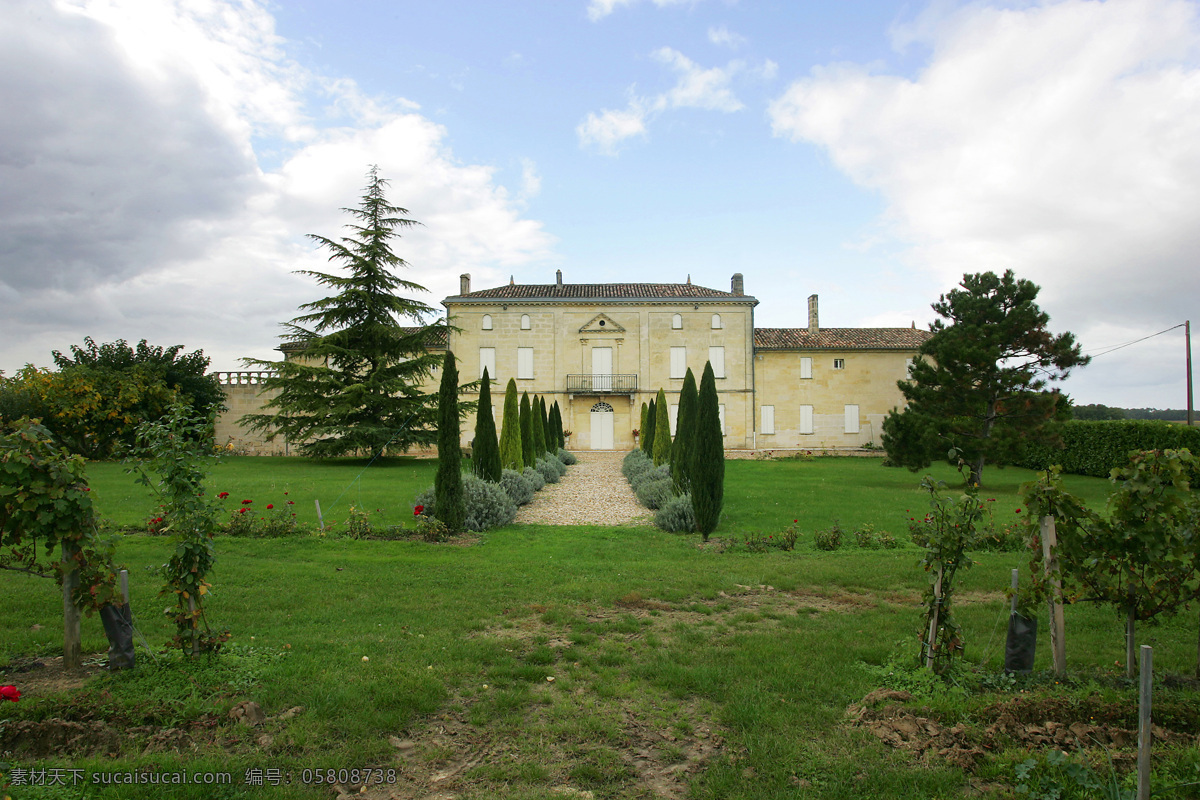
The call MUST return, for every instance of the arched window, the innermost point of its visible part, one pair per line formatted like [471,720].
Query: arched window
[716,321]
[487,322]
[602,408]
[524,322]
[677,322]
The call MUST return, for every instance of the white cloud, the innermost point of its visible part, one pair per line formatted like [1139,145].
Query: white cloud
[723,37]
[599,9]
[1060,140]
[696,87]
[134,203]
[531,181]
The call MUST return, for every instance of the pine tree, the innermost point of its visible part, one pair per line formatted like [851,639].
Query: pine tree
[708,457]
[527,454]
[685,434]
[511,454]
[447,486]
[485,455]
[662,430]
[536,429]
[353,384]
[648,433]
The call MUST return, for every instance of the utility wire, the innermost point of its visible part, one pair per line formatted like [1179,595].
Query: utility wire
[1106,351]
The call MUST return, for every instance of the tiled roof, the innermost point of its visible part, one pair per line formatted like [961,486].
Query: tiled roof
[839,339]
[606,291]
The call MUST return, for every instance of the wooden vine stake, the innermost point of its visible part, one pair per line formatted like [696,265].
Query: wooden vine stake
[71,654]
[934,619]
[1058,641]
[1145,733]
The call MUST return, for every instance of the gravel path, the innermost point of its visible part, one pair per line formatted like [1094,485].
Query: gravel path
[593,492]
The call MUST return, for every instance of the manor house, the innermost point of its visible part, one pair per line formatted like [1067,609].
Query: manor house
[603,349]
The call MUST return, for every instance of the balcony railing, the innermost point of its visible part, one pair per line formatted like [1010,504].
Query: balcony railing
[601,384]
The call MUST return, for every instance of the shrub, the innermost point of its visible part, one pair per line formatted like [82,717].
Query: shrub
[431,529]
[1096,448]
[887,541]
[651,474]
[787,539]
[519,489]
[535,478]
[566,457]
[549,469]
[830,538]
[487,505]
[656,489]
[635,464]
[676,515]
[866,537]
[358,524]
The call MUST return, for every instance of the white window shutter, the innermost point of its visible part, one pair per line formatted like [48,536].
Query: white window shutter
[716,357]
[768,419]
[487,358]
[678,362]
[673,416]
[721,414]
[805,367]
[524,362]
[851,419]
[806,419]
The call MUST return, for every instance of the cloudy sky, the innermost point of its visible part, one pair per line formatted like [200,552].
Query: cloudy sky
[162,160]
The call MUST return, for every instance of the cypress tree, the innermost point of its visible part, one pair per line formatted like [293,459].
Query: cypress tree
[537,430]
[708,458]
[551,446]
[526,431]
[648,433]
[642,429]
[662,430]
[685,434]
[447,486]
[555,427]
[511,456]
[485,456]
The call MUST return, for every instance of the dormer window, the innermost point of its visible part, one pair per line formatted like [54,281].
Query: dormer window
[524,322]
[487,322]
[677,322]
[716,321]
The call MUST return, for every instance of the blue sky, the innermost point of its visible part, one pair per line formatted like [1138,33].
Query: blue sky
[162,161]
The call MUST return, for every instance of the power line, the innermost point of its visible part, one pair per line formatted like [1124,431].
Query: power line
[1113,349]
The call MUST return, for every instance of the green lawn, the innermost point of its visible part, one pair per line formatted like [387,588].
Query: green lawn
[678,670]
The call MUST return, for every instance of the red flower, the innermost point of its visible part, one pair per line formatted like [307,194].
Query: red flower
[241,511]
[291,502]
[223,495]
[1018,511]
[247,502]
[270,505]
[418,510]
[795,520]
[10,693]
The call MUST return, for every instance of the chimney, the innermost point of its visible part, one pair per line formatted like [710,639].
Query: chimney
[558,280]
[464,283]
[813,327]
[736,285]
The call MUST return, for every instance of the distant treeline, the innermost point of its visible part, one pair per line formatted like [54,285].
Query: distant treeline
[1097,411]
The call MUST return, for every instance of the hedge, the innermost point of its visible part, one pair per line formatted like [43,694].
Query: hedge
[1095,447]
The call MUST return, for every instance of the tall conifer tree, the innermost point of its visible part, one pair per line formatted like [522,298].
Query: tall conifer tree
[708,457]
[685,435]
[485,455]
[547,434]
[511,452]
[642,429]
[527,431]
[662,430]
[447,485]
[648,434]
[353,382]
[536,429]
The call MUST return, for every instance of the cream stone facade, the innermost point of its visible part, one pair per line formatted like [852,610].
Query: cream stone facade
[601,350]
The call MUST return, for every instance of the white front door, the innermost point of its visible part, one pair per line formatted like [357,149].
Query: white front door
[602,426]
[602,371]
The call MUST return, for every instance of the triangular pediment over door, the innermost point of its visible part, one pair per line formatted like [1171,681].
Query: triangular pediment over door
[601,323]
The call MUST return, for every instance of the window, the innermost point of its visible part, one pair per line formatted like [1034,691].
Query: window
[851,419]
[806,419]
[678,362]
[721,414]
[839,363]
[524,322]
[677,322]
[487,358]
[908,364]
[716,322]
[487,326]
[524,362]
[805,368]
[716,357]
[673,416]
[768,419]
